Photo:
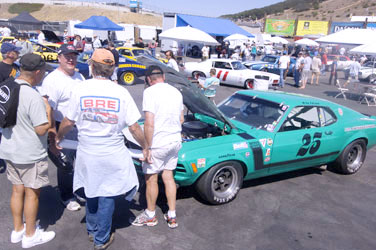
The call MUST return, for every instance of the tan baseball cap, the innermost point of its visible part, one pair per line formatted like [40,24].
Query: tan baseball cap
[103,56]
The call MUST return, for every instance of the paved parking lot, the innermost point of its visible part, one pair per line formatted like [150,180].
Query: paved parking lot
[311,209]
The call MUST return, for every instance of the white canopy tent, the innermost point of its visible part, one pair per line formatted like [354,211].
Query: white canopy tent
[277,39]
[306,42]
[365,49]
[188,34]
[237,40]
[350,36]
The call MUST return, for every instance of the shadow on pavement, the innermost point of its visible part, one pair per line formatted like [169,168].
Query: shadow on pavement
[50,207]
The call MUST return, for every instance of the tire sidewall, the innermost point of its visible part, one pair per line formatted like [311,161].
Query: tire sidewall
[203,185]
[342,162]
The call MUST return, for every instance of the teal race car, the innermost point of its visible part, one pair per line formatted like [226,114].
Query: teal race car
[253,134]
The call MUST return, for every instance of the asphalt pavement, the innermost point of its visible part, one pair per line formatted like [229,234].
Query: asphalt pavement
[310,209]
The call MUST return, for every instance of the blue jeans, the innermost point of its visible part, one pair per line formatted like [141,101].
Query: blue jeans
[99,211]
[153,51]
[297,78]
[281,76]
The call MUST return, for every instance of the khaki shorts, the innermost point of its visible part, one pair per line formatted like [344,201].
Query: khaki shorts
[34,175]
[164,158]
[306,75]
[316,73]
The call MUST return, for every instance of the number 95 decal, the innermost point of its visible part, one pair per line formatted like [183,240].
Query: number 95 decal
[310,145]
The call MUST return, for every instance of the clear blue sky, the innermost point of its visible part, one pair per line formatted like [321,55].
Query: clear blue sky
[212,8]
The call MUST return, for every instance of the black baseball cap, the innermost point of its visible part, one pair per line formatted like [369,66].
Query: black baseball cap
[32,62]
[153,70]
[67,49]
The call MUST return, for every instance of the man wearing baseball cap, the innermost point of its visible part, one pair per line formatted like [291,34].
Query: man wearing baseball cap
[163,108]
[24,147]
[58,86]
[10,54]
[101,109]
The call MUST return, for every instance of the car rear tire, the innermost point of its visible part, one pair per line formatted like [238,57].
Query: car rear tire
[221,183]
[352,157]
[248,84]
[198,74]
[127,78]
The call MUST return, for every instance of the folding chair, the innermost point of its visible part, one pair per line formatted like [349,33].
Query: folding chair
[342,91]
[369,96]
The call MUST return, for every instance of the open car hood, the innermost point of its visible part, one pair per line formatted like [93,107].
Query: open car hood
[193,99]
[51,36]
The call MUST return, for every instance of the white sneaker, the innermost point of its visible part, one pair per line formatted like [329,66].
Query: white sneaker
[38,238]
[16,237]
[72,205]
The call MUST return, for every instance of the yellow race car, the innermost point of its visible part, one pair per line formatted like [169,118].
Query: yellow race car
[133,52]
[47,51]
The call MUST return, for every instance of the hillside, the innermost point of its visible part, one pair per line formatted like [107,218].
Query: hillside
[322,10]
[67,12]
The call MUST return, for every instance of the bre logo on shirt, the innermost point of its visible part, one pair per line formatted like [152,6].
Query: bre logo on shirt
[100,102]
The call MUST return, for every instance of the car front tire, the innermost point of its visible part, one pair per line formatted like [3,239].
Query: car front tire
[221,183]
[127,78]
[352,157]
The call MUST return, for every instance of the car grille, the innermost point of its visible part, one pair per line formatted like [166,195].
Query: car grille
[180,168]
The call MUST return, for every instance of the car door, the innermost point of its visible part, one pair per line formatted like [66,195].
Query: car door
[303,140]
[225,73]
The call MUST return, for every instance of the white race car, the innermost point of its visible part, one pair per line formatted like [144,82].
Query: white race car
[367,72]
[232,72]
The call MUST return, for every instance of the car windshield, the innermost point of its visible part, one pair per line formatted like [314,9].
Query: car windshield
[238,65]
[256,112]
[269,59]
[369,64]
[138,52]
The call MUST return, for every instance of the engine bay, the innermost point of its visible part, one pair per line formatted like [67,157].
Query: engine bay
[196,130]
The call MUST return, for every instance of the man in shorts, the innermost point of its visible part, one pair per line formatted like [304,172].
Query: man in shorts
[163,107]
[316,68]
[306,69]
[24,148]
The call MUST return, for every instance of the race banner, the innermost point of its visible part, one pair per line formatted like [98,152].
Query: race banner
[312,28]
[338,26]
[279,27]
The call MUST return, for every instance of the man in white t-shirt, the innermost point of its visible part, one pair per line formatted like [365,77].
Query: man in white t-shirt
[205,52]
[41,37]
[96,42]
[58,86]
[6,31]
[163,107]
[306,69]
[101,109]
[284,64]
[354,73]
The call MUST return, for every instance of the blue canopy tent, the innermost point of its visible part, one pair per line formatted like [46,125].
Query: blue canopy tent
[212,26]
[98,23]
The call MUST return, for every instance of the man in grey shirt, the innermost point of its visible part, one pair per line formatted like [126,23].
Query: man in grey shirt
[24,148]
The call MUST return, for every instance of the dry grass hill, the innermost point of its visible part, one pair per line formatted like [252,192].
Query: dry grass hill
[336,10]
[68,12]
[319,10]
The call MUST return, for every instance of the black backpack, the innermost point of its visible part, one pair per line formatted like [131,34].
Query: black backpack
[9,97]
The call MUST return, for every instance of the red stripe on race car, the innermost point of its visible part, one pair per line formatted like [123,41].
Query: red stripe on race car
[219,74]
[225,76]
